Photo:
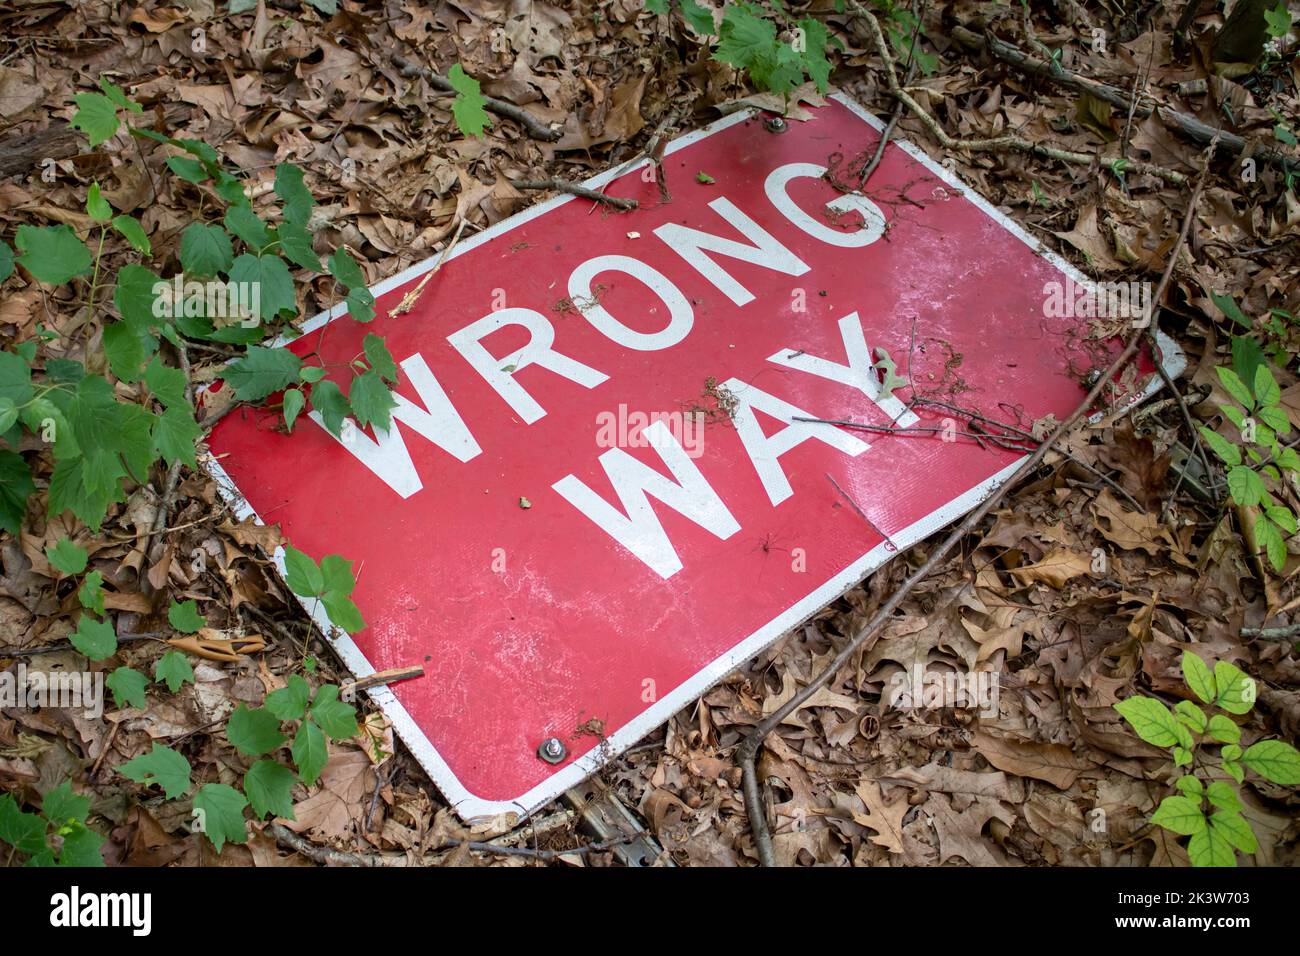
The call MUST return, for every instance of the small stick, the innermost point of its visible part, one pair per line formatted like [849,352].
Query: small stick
[861,514]
[574,189]
[535,127]
[1272,633]
[390,676]
[412,297]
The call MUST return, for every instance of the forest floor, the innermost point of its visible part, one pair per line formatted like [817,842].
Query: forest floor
[852,779]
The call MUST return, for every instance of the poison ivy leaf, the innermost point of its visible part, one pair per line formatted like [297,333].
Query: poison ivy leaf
[1267,391]
[296,196]
[1234,770]
[1274,760]
[254,732]
[133,232]
[1190,786]
[1151,720]
[1234,829]
[1182,757]
[328,399]
[96,116]
[61,806]
[52,254]
[1221,446]
[290,701]
[271,277]
[67,557]
[332,715]
[1245,486]
[343,612]
[162,766]
[16,486]
[1235,387]
[1270,538]
[185,617]
[261,372]
[310,751]
[1221,795]
[293,404]
[205,250]
[467,109]
[1208,847]
[336,574]
[1198,677]
[221,811]
[302,574]
[1190,714]
[371,400]
[128,687]
[1180,814]
[24,832]
[381,360]
[174,669]
[91,593]
[269,786]
[96,639]
[6,261]
[1236,691]
[1223,730]
[656,6]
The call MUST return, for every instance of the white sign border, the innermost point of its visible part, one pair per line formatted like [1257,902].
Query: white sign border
[471,807]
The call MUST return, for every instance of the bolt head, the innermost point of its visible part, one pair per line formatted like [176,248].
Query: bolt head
[775,124]
[552,750]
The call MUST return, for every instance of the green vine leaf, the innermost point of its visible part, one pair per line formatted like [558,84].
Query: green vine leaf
[1275,761]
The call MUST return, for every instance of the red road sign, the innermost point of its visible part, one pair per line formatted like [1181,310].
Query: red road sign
[656,554]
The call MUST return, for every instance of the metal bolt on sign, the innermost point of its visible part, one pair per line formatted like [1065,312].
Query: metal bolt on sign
[775,124]
[552,750]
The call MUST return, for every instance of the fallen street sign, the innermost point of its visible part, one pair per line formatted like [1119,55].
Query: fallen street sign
[599,496]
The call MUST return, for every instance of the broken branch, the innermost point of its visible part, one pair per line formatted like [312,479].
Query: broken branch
[535,127]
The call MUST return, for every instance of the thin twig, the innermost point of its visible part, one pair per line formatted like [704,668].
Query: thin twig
[995,144]
[536,128]
[575,189]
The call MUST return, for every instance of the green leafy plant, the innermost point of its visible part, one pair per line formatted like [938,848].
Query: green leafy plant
[1207,807]
[57,836]
[108,420]
[1260,421]
[467,110]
